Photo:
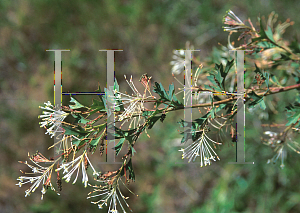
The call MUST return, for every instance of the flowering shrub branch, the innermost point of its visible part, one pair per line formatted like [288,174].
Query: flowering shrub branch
[143,109]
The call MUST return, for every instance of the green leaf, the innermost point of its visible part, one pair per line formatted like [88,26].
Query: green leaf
[130,169]
[217,89]
[80,119]
[79,142]
[119,146]
[216,79]
[77,104]
[94,142]
[160,90]
[261,32]
[129,135]
[99,89]
[152,121]
[269,34]
[70,131]
[119,104]
[118,132]
[101,127]
[81,130]
[295,46]
[293,119]
[195,126]
[211,78]
[293,107]
[218,108]
[267,78]
[275,80]
[176,102]
[97,106]
[207,87]
[186,134]
[219,78]
[228,66]
[266,45]
[116,85]
[172,97]
[257,100]
[182,123]
[132,150]
[171,91]
[222,73]
[297,98]
[146,114]
[294,113]
[130,138]
[166,96]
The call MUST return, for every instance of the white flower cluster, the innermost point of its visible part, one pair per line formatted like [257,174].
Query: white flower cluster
[72,166]
[52,119]
[281,152]
[135,101]
[273,140]
[110,195]
[201,148]
[178,63]
[280,146]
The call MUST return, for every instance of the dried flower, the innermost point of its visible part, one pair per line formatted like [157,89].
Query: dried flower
[44,175]
[234,23]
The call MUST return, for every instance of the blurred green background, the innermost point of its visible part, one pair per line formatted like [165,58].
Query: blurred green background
[148,32]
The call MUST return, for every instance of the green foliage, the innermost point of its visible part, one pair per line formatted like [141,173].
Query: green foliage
[77,104]
[293,114]
[80,119]
[119,146]
[198,124]
[128,167]
[256,100]
[217,77]
[264,34]
[79,142]
[168,97]
[98,106]
[74,131]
